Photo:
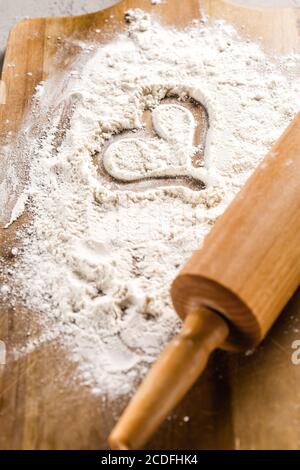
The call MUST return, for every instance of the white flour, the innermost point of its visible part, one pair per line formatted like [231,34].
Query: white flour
[98,258]
[168,154]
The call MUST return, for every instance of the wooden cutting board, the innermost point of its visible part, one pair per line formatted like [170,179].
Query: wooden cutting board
[241,402]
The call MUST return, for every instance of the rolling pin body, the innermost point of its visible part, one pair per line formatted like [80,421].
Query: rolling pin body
[232,289]
[249,264]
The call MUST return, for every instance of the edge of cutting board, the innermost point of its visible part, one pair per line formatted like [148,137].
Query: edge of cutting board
[33,43]
[32,412]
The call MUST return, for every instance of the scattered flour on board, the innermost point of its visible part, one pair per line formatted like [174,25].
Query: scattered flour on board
[97,259]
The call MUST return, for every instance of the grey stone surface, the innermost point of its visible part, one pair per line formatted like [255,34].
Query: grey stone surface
[12,11]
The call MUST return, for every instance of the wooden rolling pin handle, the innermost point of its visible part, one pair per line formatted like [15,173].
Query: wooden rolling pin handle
[175,371]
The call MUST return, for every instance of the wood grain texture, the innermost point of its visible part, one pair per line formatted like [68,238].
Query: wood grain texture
[2,92]
[241,401]
[275,28]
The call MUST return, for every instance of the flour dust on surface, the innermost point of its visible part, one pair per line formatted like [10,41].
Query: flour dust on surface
[97,257]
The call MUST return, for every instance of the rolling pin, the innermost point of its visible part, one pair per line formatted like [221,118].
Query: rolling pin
[231,290]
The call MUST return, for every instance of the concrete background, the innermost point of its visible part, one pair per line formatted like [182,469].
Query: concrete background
[12,11]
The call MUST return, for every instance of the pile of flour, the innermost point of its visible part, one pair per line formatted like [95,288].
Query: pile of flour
[97,260]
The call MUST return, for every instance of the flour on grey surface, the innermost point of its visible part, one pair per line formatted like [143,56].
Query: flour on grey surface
[97,259]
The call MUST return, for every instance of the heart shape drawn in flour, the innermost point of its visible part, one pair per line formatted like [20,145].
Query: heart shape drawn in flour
[169,154]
